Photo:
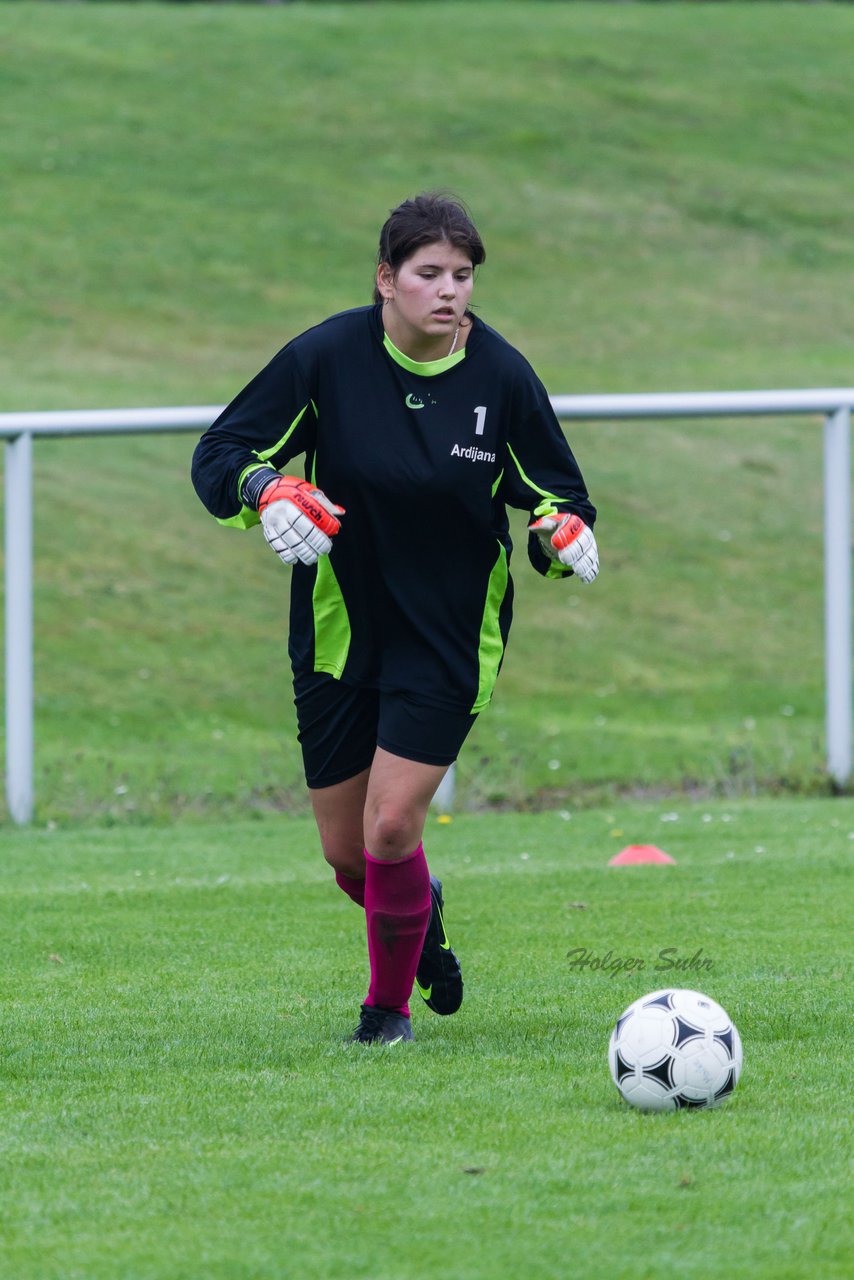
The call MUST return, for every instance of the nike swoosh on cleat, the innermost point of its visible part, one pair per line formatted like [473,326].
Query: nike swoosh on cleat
[424,992]
[446,946]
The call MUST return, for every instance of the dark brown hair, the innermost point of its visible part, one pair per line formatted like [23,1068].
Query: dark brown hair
[426,219]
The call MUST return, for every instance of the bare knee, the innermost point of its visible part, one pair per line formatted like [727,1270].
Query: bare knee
[396,804]
[348,859]
[392,831]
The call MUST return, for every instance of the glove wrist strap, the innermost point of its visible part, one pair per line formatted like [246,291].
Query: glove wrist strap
[254,483]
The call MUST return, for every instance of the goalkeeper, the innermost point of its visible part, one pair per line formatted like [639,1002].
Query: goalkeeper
[419,425]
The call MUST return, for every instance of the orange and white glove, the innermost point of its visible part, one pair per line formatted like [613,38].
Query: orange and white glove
[567,539]
[299,521]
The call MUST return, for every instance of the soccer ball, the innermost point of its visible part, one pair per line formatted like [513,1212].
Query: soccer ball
[674,1049]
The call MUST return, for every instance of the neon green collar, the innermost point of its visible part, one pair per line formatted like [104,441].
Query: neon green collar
[426,368]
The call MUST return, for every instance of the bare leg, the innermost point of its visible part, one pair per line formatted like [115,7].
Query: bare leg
[398,897]
[398,796]
[383,810]
[339,814]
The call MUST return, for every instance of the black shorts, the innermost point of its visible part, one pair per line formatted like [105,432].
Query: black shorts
[341,726]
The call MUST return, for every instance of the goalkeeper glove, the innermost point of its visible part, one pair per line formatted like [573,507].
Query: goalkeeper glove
[299,521]
[569,540]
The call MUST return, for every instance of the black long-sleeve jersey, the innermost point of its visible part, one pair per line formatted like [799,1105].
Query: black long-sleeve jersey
[415,595]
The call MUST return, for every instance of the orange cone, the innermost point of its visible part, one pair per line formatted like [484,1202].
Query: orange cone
[635,854]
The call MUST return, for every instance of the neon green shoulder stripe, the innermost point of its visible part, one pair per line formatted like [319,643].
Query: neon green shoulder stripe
[266,454]
[246,517]
[544,493]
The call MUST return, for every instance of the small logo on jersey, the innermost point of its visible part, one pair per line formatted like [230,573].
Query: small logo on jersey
[412,402]
[473,454]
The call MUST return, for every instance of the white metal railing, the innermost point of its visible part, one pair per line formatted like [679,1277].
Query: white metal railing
[20,429]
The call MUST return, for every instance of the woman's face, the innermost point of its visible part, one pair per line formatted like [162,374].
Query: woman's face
[430,290]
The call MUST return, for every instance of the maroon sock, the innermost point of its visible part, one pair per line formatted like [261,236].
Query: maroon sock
[397,906]
[353,888]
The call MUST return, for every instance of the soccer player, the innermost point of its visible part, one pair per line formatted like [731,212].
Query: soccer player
[419,425]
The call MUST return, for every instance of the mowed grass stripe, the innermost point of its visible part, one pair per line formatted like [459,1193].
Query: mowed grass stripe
[177,1093]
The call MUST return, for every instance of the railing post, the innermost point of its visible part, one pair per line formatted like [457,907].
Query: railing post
[446,792]
[19,627]
[837,592]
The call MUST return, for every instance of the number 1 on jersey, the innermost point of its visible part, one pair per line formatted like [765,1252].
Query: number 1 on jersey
[479,419]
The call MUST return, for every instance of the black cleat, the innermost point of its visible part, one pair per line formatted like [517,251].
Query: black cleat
[438,979]
[382,1026]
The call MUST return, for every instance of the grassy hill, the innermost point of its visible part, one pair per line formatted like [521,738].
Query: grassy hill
[665,192]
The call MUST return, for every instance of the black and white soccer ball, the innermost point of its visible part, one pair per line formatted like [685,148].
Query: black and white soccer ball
[674,1049]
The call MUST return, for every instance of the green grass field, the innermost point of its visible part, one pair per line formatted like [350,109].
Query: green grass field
[666,195]
[177,1100]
